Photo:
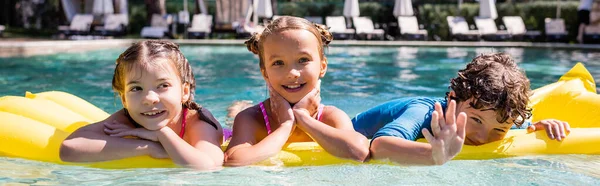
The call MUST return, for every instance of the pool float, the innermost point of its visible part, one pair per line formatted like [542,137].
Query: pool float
[33,127]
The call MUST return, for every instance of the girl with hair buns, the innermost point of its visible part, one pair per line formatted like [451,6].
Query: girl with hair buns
[156,86]
[292,61]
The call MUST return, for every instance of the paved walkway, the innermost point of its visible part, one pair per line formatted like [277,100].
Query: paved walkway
[24,47]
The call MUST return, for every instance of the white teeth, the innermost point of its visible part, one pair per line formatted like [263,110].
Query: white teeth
[152,113]
[292,86]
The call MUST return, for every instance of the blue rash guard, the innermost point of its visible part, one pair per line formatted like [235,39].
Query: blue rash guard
[403,118]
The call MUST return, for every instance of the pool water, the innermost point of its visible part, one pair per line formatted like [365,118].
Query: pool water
[357,78]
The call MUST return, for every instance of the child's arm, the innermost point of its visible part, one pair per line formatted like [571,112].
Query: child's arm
[245,147]
[449,135]
[203,150]
[91,144]
[335,134]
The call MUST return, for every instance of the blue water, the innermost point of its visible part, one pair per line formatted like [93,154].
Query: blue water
[357,79]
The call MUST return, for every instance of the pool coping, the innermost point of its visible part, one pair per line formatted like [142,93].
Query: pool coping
[45,47]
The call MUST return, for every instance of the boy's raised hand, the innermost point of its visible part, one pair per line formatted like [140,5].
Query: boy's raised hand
[448,133]
[555,129]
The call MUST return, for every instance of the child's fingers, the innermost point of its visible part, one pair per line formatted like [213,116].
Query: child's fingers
[440,116]
[435,126]
[461,123]
[567,127]
[549,131]
[428,135]
[559,131]
[450,113]
[123,134]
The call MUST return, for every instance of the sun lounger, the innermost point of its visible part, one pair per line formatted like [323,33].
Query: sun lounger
[337,27]
[365,28]
[488,30]
[516,28]
[555,30]
[80,25]
[459,29]
[114,25]
[159,27]
[409,28]
[314,19]
[201,26]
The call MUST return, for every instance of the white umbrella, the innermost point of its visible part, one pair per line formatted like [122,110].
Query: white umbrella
[201,6]
[102,7]
[262,8]
[71,8]
[558,9]
[122,7]
[403,8]
[351,8]
[487,9]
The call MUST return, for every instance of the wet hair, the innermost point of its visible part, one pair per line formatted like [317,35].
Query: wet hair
[494,81]
[150,52]
[255,43]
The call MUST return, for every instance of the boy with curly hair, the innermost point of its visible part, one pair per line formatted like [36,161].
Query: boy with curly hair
[485,100]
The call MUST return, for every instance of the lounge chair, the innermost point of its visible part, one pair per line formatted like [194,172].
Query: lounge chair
[516,28]
[409,28]
[591,34]
[313,19]
[80,25]
[337,27]
[201,26]
[1,30]
[488,30]
[159,27]
[555,30]
[459,29]
[365,28]
[114,25]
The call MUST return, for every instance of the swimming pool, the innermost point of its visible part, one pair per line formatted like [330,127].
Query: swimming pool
[358,78]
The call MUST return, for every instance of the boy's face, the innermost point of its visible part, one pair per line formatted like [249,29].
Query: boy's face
[482,126]
[293,64]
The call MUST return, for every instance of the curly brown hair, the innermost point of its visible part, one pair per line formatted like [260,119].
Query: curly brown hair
[254,44]
[494,81]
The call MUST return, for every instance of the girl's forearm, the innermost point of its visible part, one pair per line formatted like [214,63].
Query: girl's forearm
[341,143]
[266,148]
[92,147]
[183,154]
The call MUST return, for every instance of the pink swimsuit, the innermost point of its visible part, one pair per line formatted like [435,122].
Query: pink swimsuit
[266,117]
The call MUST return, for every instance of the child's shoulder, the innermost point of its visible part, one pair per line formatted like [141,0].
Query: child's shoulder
[250,114]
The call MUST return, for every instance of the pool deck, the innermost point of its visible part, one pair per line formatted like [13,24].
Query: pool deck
[22,48]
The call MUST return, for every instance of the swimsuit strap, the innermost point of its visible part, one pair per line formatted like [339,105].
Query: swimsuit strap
[320,111]
[182,132]
[266,117]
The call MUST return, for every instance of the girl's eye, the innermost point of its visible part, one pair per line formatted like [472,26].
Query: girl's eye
[278,62]
[135,89]
[477,120]
[164,85]
[304,60]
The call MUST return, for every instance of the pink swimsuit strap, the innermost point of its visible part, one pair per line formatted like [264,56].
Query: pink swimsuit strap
[266,117]
[182,132]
